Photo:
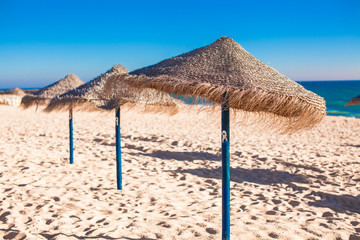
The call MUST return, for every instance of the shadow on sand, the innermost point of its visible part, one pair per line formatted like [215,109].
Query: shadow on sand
[350,145]
[260,176]
[287,164]
[338,203]
[178,155]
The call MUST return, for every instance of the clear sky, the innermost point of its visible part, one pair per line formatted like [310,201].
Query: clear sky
[43,40]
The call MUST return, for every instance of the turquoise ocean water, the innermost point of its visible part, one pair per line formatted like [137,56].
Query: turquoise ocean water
[335,93]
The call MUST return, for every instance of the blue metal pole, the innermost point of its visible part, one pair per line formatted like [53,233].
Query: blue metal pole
[71,136]
[118,150]
[225,148]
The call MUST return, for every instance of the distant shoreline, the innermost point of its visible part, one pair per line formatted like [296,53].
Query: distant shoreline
[355,80]
[298,81]
[335,92]
[25,89]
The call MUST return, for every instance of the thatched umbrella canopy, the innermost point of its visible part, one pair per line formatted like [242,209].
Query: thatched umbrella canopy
[252,86]
[43,96]
[107,92]
[353,101]
[87,97]
[225,73]
[15,91]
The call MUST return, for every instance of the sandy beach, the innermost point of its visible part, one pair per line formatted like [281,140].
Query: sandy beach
[299,186]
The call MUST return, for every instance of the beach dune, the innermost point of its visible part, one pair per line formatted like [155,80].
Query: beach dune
[300,186]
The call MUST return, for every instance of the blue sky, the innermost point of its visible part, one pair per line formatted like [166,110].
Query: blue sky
[42,41]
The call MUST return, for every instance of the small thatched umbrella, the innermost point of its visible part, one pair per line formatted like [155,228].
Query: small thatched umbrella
[107,93]
[15,91]
[87,97]
[43,96]
[353,101]
[225,73]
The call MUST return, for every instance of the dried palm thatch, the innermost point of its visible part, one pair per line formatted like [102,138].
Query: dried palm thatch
[87,97]
[106,93]
[15,91]
[43,96]
[353,101]
[224,67]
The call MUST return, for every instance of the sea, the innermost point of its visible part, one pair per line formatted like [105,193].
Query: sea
[335,93]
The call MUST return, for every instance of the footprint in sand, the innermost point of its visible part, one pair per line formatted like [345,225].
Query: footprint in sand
[354,223]
[211,182]
[273,235]
[271,213]
[354,237]
[15,235]
[211,230]
[196,234]
[276,201]
[48,222]
[294,203]
[164,213]
[158,236]
[164,224]
[3,217]
[101,220]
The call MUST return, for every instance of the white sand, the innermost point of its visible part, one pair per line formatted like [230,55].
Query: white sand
[300,186]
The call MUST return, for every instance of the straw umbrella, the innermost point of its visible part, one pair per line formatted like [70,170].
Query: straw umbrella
[15,91]
[12,96]
[43,96]
[353,101]
[225,73]
[107,93]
